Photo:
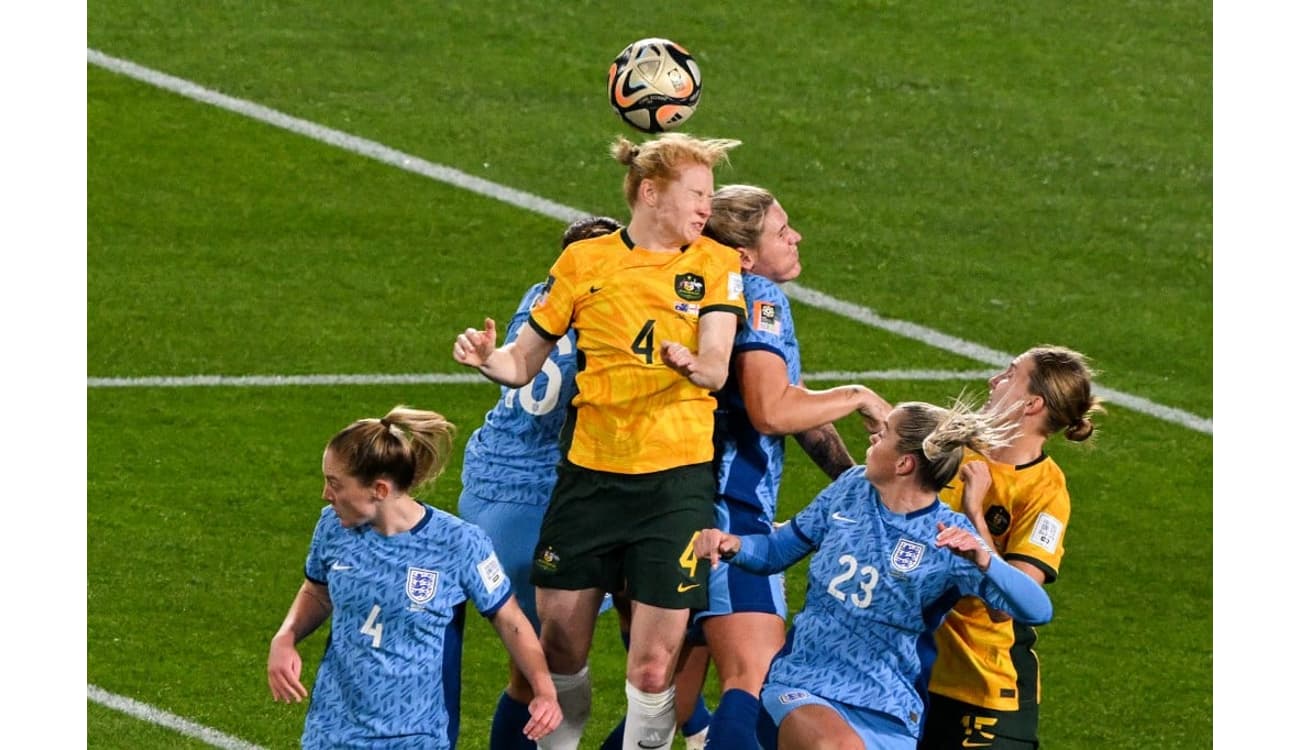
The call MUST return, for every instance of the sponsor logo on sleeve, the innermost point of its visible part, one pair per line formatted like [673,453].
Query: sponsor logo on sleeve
[1047,532]
[735,286]
[491,572]
[765,318]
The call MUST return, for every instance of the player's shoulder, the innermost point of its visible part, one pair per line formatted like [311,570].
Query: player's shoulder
[715,250]
[441,524]
[761,287]
[605,244]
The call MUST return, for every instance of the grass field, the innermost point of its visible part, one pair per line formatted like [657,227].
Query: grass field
[1004,175]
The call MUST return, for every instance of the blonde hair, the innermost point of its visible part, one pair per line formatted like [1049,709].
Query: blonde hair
[410,447]
[738,215]
[937,437]
[1063,379]
[662,158]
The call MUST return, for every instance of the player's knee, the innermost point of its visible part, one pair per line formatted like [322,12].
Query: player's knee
[650,675]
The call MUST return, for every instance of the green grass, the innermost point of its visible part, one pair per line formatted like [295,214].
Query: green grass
[1010,174]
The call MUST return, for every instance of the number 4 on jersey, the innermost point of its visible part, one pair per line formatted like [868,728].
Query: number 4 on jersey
[645,342]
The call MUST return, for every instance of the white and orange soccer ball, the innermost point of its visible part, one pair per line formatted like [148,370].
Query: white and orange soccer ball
[654,85]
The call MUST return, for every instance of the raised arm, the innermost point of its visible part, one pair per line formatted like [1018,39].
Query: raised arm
[311,607]
[1005,587]
[706,368]
[513,365]
[826,448]
[757,553]
[778,407]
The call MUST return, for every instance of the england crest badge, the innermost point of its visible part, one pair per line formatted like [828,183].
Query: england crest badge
[907,556]
[421,585]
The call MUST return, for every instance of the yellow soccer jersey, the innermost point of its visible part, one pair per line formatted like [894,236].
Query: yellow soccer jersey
[987,663]
[634,414]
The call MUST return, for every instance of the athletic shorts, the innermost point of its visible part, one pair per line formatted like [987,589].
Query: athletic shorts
[952,723]
[878,731]
[732,589]
[513,529]
[604,530]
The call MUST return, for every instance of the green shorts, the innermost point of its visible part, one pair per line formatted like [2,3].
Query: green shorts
[952,724]
[635,531]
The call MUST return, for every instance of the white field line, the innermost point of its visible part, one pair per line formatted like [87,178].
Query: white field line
[153,715]
[260,381]
[561,212]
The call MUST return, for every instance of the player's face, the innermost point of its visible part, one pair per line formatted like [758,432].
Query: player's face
[354,503]
[882,453]
[686,203]
[777,254]
[1011,386]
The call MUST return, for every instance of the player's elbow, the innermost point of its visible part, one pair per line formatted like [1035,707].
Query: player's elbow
[1038,613]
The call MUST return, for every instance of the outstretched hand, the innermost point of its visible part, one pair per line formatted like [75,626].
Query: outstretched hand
[473,347]
[964,543]
[714,545]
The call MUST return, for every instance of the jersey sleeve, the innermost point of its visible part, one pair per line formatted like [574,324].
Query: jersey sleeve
[551,314]
[1038,534]
[724,289]
[526,305]
[1008,589]
[762,329]
[484,580]
[317,566]
[814,520]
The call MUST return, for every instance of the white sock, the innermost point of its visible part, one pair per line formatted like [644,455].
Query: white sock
[696,741]
[574,694]
[651,719]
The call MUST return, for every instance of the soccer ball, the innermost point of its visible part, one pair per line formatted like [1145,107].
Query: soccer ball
[654,85]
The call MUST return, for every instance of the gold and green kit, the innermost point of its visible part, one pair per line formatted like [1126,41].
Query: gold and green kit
[632,413]
[990,663]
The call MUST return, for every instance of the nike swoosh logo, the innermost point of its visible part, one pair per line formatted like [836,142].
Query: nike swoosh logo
[968,743]
[337,566]
[837,517]
[595,289]
[682,589]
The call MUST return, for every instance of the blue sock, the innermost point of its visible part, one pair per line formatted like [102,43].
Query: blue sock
[508,726]
[766,729]
[615,739]
[699,718]
[734,724]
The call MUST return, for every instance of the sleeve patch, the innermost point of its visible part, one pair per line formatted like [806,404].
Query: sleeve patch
[1047,532]
[735,286]
[491,573]
[765,318]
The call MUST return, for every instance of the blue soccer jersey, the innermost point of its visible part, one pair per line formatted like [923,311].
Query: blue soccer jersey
[877,588]
[390,677]
[512,457]
[749,462]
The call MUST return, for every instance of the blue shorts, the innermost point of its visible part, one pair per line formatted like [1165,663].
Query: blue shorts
[876,730]
[732,589]
[513,528]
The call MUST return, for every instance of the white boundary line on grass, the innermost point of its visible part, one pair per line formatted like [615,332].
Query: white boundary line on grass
[261,381]
[153,715]
[540,205]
